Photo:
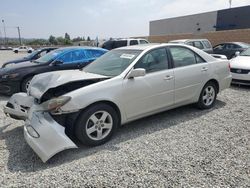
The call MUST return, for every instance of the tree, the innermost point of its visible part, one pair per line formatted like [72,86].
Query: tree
[67,37]
[52,40]
[83,38]
[88,39]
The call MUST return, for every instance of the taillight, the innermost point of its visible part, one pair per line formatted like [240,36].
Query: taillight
[229,66]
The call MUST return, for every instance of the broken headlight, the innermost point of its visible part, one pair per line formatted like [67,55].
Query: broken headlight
[55,103]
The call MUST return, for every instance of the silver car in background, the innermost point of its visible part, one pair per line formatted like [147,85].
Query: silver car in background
[240,68]
[123,85]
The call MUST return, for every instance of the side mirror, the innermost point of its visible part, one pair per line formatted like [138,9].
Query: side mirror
[57,62]
[237,53]
[137,73]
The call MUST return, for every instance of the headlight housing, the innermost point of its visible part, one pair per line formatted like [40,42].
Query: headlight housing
[55,103]
[9,76]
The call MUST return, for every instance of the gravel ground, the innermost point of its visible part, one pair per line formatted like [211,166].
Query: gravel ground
[9,55]
[184,147]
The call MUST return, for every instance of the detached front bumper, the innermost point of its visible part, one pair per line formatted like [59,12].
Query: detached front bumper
[44,135]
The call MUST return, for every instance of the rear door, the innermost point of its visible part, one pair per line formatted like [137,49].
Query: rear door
[152,92]
[190,72]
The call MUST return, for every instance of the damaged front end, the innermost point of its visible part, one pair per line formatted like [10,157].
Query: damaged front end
[44,135]
[41,110]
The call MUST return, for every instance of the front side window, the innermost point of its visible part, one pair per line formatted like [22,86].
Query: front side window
[120,43]
[184,57]
[73,56]
[198,44]
[155,60]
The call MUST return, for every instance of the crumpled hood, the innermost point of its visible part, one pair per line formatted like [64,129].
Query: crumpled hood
[42,82]
[240,62]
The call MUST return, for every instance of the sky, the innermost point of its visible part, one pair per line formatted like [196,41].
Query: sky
[102,18]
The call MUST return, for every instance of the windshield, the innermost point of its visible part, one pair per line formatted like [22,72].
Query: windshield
[33,54]
[245,53]
[112,63]
[50,56]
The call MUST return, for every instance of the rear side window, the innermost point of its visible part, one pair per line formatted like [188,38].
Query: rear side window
[198,44]
[184,57]
[155,60]
[133,42]
[120,43]
[219,47]
[94,53]
[143,42]
[207,44]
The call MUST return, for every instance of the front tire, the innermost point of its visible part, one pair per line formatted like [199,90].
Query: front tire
[208,96]
[96,124]
[16,51]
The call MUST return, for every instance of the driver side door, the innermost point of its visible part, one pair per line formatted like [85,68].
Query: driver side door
[152,92]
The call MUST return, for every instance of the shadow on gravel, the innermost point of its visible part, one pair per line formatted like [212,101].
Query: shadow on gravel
[23,159]
[240,87]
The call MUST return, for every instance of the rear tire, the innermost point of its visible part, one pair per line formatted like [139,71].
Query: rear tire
[96,124]
[207,96]
[25,84]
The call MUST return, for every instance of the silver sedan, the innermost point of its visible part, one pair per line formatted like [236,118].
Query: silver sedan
[123,85]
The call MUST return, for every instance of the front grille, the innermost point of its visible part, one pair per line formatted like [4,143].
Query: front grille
[240,71]
[241,81]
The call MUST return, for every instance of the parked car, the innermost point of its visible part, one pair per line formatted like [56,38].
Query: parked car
[33,56]
[23,49]
[229,48]
[240,68]
[17,77]
[123,85]
[112,44]
[202,44]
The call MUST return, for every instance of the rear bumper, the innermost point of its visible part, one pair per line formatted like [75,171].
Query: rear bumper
[44,135]
[226,82]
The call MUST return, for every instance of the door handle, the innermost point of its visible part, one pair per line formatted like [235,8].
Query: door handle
[168,77]
[204,69]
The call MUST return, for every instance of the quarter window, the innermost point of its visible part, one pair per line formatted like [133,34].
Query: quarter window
[184,57]
[153,61]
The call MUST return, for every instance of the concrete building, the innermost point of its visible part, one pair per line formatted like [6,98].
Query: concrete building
[228,19]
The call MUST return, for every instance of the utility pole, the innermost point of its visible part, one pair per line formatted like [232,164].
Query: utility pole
[19,35]
[230,3]
[5,39]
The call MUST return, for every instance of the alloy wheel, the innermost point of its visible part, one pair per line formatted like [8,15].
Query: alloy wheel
[99,125]
[208,95]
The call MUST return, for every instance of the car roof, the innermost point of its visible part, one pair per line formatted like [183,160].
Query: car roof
[239,43]
[149,46]
[186,40]
[81,47]
[139,47]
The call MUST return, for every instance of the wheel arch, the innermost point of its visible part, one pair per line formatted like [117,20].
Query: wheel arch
[24,78]
[216,84]
[110,103]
